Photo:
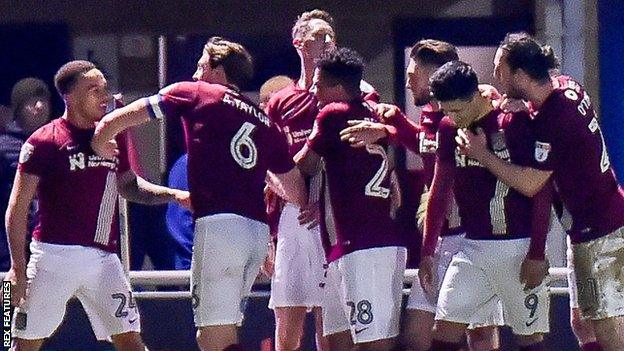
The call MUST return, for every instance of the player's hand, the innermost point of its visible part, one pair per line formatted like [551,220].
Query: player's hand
[491,93]
[362,133]
[105,148]
[309,215]
[427,273]
[268,266]
[387,112]
[18,286]
[533,272]
[473,145]
[183,198]
[513,105]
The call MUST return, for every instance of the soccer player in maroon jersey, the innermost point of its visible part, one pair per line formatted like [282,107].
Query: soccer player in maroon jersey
[366,262]
[426,57]
[570,149]
[231,145]
[296,285]
[502,257]
[75,242]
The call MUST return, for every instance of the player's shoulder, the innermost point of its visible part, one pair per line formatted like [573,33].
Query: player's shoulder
[336,108]
[50,133]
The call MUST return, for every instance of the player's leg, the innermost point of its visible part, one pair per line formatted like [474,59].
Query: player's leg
[289,323]
[584,331]
[52,278]
[600,286]
[583,328]
[417,329]
[373,284]
[526,311]
[106,297]
[295,284]
[609,332]
[483,338]
[223,247]
[335,321]
[419,315]
[466,297]
[129,341]
[321,341]
[27,345]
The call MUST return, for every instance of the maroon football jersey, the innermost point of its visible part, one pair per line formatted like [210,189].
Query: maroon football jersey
[231,143]
[569,142]
[77,189]
[356,201]
[489,209]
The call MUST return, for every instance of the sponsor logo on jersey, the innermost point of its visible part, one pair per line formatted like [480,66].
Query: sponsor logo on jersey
[542,150]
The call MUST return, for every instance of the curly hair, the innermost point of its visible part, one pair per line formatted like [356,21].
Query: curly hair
[343,66]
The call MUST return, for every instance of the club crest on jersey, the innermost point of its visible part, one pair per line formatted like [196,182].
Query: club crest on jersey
[25,153]
[541,151]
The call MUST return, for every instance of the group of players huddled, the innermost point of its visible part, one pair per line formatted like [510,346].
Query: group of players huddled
[315,168]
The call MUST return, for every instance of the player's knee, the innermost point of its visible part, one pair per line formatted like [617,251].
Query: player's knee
[26,345]
[485,338]
[582,328]
[288,342]
[130,341]
[448,331]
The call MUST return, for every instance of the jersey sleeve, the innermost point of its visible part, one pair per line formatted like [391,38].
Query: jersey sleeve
[446,141]
[36,155]
[280,160]
[325,134]
[406,132]
[553,126]
[173,100]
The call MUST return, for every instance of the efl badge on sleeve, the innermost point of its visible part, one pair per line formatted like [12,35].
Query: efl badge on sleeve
[26,152]
[541,151]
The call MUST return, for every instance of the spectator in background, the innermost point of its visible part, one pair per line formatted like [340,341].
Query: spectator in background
[30,107]
[180,219]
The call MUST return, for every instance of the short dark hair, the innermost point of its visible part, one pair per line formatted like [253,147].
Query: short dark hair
[67,76]
[235,59]
[455,80]
[434,52]
[302,26]
[343,66]
[526,53]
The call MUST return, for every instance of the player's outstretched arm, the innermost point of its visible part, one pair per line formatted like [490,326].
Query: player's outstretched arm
[137,189]
[439,199]
[16,219]
[535,266]
[527,180]
[116,122]
[290,186]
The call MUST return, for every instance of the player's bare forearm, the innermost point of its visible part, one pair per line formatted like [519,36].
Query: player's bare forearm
[308,161]
[139,190]
[121,119]
[16,218]
[290,186]
[528,181]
